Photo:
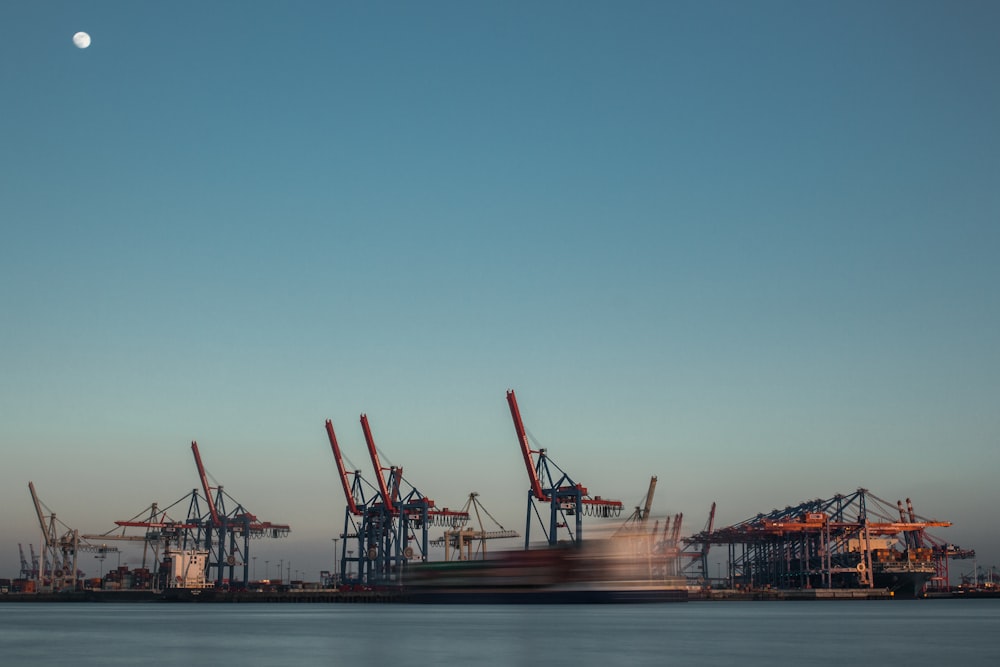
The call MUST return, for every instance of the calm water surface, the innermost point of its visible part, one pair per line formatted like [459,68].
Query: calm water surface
[855,633]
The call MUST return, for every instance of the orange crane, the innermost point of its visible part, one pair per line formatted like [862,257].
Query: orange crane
[844,541]
[548,483]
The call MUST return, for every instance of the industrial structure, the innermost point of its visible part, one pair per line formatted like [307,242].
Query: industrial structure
[636,520]
[226,533]
[29,569]
[158,533]
[853,541]
[173,555]
[210,547]
[666,559]
[551,484]
[458,541]
[640,541]
[847,541]
[692,558]
[386,523]
[57,570]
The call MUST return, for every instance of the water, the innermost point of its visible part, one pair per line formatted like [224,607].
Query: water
[856,633]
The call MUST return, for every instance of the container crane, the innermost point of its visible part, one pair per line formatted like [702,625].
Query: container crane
[177,545]
[664,557]
[665,552]
[408,516]
[385,550]
[34,562]
[845,541]
[226,534]
[941,552]
[675,532]
[639,542]
[695,566]
[458,541]
[366,518]
[386,522]
[359,495]
[548,483]
[160,531]
[634,523]
[26,570]
[60,548]
[649,499]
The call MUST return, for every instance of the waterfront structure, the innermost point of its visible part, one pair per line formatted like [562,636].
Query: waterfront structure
[548,483]
[385,524]
[852,541]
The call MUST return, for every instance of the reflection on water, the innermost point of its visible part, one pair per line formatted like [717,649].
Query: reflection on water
[917,632]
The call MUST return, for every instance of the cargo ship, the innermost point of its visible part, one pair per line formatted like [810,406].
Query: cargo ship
[559,575]
[904,573]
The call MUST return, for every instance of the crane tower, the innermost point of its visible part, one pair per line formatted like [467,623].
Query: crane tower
[550,484]
[226,534]
[387,523]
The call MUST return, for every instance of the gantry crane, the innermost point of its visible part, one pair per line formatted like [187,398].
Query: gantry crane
[648,500]
[942,552]
[550,484]
[34,561]
[150,540]
[634,523]
[60,548]
[410,514]
[694,556]
[458,541]
[365,515]
[160,532]
[637,540]
[226,534]
[384,547]
[666,551]
[387,523]
[844,541]
[181,548]
[26,570]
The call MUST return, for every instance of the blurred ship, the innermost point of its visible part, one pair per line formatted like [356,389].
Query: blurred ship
[589,574]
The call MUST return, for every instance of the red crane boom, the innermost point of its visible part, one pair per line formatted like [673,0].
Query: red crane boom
[526,451]
[352,506]
[373,453]
[204,485]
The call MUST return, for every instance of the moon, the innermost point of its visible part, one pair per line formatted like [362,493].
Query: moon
[81,40]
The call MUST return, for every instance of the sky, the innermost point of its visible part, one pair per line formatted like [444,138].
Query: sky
[748,247]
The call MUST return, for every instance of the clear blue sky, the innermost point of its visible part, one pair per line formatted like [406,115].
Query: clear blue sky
[749,247]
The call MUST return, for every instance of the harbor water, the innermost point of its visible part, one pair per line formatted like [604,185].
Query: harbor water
[857,633]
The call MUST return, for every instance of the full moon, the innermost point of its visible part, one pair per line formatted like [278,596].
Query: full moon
[81,40]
